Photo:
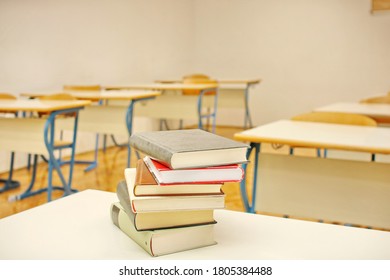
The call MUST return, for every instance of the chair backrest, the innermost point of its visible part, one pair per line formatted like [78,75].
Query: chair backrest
[82,87]
[196,76]
[336,118]
[198,80]
[7,96]
[57,96]
[379,99]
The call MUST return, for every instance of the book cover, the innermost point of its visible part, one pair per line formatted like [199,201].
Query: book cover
[211,175]
[171,203]
[164,241]
[164,219]
[189,148]
[145,184]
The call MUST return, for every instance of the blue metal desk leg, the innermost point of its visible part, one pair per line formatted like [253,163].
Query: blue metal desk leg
[52,161]
[129,124]
[93,164]
[49,142]
[28,192]
[248,119]
[250,207]
[10,184]
[213,114]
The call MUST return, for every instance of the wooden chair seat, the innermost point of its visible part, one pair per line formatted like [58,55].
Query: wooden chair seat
[377,100]
[198,79]
[334,118]
[82,87]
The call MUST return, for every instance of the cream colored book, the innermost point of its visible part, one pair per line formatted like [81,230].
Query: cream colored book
[164,219]
[164,241]
[171,203]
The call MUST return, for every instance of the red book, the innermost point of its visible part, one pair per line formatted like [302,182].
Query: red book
[210,175]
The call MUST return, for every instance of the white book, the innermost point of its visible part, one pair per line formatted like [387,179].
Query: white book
[171,203]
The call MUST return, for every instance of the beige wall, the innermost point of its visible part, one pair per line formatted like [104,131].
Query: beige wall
[308,53]
[45,44]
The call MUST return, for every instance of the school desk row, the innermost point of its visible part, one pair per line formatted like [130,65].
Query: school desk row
[347,191]
[31,135]
[340,187]
[174,102]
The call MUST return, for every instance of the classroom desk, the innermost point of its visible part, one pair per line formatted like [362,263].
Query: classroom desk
[319,188]
[379,112]
[227,98]
[37,135]
[80,227]
[174,105]
[106,118]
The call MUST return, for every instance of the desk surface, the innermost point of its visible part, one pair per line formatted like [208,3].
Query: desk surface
[221,81]
[79,227]
[321,135]
[157,86]
[99,95]
[40,106]
[373,110]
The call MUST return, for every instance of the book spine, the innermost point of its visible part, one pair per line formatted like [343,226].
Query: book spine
[122,221]
[154,150]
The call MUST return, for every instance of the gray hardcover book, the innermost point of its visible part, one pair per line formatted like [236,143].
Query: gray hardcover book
[189,148]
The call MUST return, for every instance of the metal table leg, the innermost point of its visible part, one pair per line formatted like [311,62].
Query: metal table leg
[250,207]
[248,119]
[10,184]
[49,131]
[213,114]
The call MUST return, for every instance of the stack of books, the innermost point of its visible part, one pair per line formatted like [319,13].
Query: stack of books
[166,204]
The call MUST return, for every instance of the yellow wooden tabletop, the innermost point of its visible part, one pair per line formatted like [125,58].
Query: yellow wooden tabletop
[36,105]
[320,135]
[161,86]
[379,111]
[222,81]
[99,95]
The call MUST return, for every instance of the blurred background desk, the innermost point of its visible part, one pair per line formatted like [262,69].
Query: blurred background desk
[173,104]
[233,93]
[106,118]
[344,191]
[37,135]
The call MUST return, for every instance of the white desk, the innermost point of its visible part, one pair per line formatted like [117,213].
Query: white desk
[379,112]
[317,188]
[79,227]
